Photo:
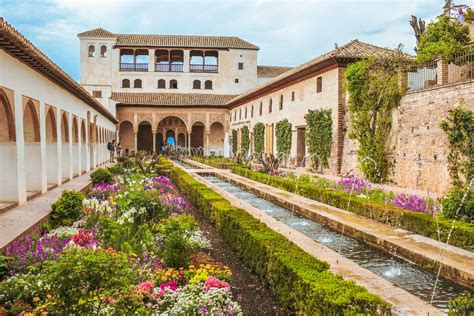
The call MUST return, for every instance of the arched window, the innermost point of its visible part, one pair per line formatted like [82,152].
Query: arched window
[196,84]
[91,50]
[137,83]
[103,51]
[125,83]
[208,85]
[173,84]
[161,84]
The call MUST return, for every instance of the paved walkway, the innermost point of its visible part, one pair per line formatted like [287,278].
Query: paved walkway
[456,262]
[20,219]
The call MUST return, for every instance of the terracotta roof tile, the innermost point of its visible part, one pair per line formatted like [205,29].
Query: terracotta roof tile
[15,44]
[98,32]
[156,40]
[171,99]
[349,52]
[271,71]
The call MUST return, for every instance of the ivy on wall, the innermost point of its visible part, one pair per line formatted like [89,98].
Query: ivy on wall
[459,127]
[374,92]
[259,138]
[245,139]
[319,136]
[283,137]
[234,141]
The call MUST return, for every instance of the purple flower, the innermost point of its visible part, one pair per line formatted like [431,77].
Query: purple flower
[353,184]
[415,203]
[203,309]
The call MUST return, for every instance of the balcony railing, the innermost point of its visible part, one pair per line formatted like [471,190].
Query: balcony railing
[169,67]
[133,66]
[203,68]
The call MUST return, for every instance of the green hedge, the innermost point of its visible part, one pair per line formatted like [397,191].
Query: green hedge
[221,163]
[302,283]
[419,223]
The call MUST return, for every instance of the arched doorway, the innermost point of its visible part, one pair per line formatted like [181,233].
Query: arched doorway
[170,127]
[216,139]
[181,140]
[197,135]
[9,178]
[127,137]
[170,138]
[51,147]
[75,147]
[65,156]
[144,136]
[83,147]
[31,134]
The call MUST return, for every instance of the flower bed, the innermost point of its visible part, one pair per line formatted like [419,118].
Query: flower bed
[423,223]
[133,249]
[302,283]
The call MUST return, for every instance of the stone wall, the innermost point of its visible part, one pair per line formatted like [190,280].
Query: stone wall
[419,146]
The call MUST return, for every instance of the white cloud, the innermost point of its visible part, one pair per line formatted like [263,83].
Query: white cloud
[288,32]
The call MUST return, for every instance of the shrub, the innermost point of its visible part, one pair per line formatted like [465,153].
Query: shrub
[84,279]
[149,200]
[301,282]
[175,234]
[462,305]
[319,136]
[101,175]
[259,137]
[67,209]
[115,169]
[245,139]
[22,288]
[283,137]
[459,204]
[234,141]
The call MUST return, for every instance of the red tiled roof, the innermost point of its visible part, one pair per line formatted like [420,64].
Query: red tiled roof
[171,99]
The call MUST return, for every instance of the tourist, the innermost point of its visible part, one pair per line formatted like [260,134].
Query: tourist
[119,150]
[111,148]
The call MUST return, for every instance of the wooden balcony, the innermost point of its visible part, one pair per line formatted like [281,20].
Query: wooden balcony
[133,66]
[203,68]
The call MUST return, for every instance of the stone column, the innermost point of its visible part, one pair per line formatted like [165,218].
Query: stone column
[154,141]
[151,60]
[69,131]
[136,144]
[206,149]
[186,60]
[79,146]
[20,149]
[442,72]
[189,141]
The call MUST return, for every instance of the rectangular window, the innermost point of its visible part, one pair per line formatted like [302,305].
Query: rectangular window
[97,94]
[241,66]
[281,102]
[261,109]
[270,105]
[293,96]
[251,112]
[319,84]
[235,115]
[236,80]
[245,112]
[240,115]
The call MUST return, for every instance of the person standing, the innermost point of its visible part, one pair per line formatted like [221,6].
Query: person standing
[119,150]
[111,148]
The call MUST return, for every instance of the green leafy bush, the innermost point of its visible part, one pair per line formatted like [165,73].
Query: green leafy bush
[459,204]
[462,305]
[149,200]
[234,141]
[67,209]
[21,288]
[259,138]
[115,169]
[245,139]
[420,223]
[283,136]
[101,175]
[83,278]
[174,234]
[302,283]
[319,136]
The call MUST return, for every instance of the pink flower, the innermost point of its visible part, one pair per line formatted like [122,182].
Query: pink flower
[172,285]
[214,282]
[145,287]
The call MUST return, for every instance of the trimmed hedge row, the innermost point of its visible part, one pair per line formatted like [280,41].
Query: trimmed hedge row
[302,283]
[223,163]
[419,223]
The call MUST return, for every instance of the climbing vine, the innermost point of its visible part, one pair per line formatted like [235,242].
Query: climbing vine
[234,141]
[245,139]
[459,127]
[319,136]
[259,137]
[374,92]
[283,137]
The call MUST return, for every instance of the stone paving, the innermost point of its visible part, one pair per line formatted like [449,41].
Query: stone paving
[457,263]
[403,302]
[17,221]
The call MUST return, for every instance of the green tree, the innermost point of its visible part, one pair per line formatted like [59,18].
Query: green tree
[374,92]
[442,39]
[283,136]
[259,137]
[319,136]
[234,141]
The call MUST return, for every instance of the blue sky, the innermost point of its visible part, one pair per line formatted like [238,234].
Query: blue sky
[287,32]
